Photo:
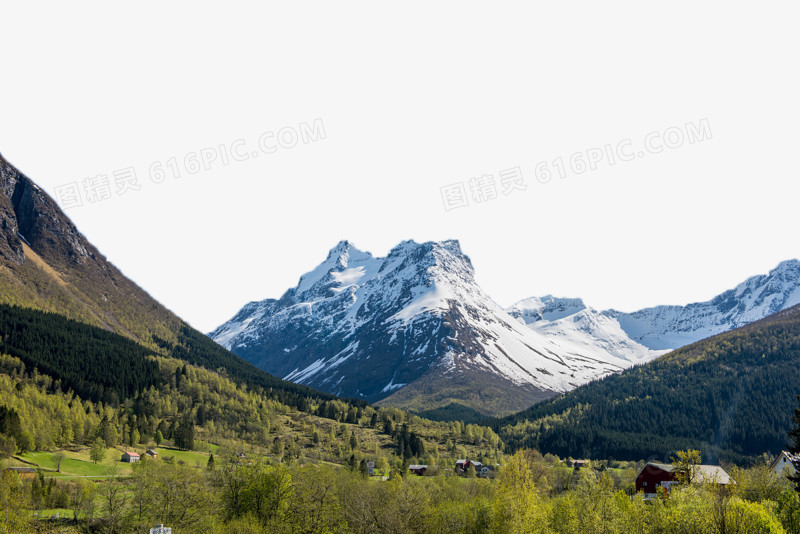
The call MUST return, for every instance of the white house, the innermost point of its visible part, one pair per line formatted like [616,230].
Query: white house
[130,457]
[785,462]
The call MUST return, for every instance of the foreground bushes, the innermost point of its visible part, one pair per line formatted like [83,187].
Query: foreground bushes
[260,498]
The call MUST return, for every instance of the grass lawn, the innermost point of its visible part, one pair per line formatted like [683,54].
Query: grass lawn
[78,464]
[191,458]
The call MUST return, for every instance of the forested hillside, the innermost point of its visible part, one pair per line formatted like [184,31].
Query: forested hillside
[731,396]
[46,264]
[102,366]
[67,384]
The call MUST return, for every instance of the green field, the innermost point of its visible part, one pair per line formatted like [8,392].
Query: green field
[78,464]
[191,458]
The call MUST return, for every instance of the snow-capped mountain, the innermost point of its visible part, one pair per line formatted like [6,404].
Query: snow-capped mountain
[647,333]
[670,327]
[412,329]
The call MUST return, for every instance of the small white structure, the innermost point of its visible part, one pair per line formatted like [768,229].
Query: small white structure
[784,463]
[371,468]
[130,457]
[161,529]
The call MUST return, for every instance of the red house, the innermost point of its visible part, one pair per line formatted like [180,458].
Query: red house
[654,475]
[463,465]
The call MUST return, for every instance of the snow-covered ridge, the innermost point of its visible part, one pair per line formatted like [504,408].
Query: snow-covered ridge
[650,332]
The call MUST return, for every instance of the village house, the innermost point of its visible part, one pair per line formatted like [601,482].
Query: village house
[577,464]
[153,455]
[25,473]
[655,475]
[784,463]
[130,457]
[371,468]
[418,469]
[463,465]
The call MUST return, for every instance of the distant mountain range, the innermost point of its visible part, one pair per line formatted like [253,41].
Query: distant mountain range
[647,333]
[732,396]
[414,330]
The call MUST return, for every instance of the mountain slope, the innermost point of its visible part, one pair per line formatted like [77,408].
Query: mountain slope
[411,330]
[732,396]
[47,264]
[570,323]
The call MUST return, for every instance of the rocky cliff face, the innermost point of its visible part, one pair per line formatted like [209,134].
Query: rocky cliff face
[47,264]
[31,216]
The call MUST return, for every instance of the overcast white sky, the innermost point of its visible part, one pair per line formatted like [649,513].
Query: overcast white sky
[413,98]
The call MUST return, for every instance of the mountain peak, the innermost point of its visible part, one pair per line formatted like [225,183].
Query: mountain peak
[400,324]
[792,265]
[340,258]
[340,248]
[344,252]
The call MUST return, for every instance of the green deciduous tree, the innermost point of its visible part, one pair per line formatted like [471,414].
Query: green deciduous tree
[173,495]
[684,463]
[14,504]
[82,495]
[114,497]
[517,506]
[57,459]
[98,450]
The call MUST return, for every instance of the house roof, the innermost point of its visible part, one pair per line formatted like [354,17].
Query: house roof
[705,473]
[788,456]
[415,467]
[22,469]
[133,454]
